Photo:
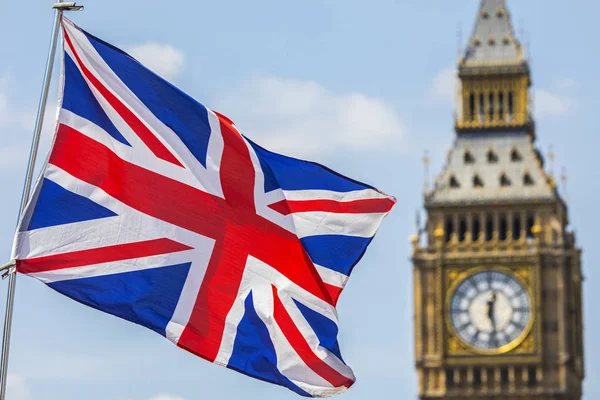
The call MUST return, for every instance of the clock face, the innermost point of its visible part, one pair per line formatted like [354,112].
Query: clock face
[490,310]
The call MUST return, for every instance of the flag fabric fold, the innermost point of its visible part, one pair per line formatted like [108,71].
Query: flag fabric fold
[156,209]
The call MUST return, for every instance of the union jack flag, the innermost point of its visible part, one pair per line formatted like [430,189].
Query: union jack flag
[155,209]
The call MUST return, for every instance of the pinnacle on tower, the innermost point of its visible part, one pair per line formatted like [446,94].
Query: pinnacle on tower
[493,41]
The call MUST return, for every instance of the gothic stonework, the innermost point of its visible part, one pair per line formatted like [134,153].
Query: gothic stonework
[498,308]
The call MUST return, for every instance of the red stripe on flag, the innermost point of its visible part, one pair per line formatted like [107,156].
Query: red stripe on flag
[228,260]
[366,206]
[334,292]
[204,331]
[155,145]
[302,348]
[100,255]
[237,171]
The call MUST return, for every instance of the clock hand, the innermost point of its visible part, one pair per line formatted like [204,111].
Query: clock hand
[491,311]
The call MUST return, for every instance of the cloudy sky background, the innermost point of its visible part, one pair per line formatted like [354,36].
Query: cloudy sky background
[364,87]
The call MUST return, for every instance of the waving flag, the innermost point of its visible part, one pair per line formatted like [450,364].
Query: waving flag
[155,209]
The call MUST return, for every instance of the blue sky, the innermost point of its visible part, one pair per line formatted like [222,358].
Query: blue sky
[362,86]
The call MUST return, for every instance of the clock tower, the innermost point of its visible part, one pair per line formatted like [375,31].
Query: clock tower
[497,275]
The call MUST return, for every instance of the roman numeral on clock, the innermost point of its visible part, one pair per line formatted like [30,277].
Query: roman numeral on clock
[461,328]
[475,337]
[494,340]
[518,325]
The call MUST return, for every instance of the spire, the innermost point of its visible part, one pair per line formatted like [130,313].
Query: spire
[493,41]
[495,77]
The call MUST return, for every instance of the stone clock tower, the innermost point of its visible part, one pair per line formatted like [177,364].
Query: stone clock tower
[497,279]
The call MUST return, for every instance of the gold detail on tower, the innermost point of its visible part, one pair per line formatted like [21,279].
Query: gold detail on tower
[456,347]
[452,277]
[524,275]
[528,346]
[491,102]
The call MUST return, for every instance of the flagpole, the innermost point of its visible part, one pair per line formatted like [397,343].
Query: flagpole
[12,280]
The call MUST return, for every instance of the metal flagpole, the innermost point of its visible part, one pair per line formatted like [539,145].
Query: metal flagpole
[59,7]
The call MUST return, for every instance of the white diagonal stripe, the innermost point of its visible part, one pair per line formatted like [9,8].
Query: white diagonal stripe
[331,195]
[331,277]
[324,223]
[190,291]
[114,267]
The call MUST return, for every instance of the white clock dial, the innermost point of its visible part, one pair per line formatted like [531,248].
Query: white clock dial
[490,310]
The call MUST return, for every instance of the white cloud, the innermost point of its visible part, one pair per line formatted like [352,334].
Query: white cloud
[16,388]
[166,397]
[443,86]
[553,103]
[10,117]
[164,59]
[304,119]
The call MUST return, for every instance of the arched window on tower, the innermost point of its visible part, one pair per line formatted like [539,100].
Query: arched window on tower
[529,228]
[477,381]
[481,107]
[468,157]
[489,228]
[515,156]
[491,107]
[450,378]
[504,376]
[527,179]
[531,377]
[448,228]
[504,180]
[501,106]
[511,106]
[516,227]
[477,182]
[472,107]
[462,229]
[454,184]
[492,157]
[476,228]
[503,228]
